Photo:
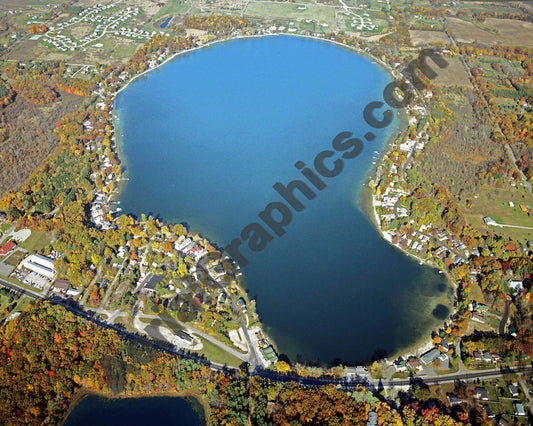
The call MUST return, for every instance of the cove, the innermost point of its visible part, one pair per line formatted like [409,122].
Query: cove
[206,136]
[96,410]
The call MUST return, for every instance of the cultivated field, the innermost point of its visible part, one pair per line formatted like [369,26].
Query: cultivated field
[423,38]
[501,31]
[323,14]
[453,75]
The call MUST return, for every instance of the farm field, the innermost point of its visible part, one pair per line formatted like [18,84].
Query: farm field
[502,31]
[454,74]
[323,14]
[423,38]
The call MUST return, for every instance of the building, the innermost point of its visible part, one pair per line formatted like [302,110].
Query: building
[150,282]
[60,286]
[515,285]
[482,393]
[519,409]
[269,354]
[400,365]
[488,412]
[414,363]
[241,304]
[41,265]
[453,399]
[430,356]
[513,390]
[7,247]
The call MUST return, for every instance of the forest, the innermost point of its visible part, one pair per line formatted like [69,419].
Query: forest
[48,354]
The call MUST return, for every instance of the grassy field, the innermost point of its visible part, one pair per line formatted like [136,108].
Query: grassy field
[323,14]
[15,258]
[172,7]
[218,355]
[38,240]
[494,202]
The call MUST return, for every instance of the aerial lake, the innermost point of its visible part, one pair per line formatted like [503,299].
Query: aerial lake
[96,410]
[206,136]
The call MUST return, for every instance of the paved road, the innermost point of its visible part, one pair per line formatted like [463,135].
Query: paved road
[90,316]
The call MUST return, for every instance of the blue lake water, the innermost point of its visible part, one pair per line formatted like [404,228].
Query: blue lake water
[205,137]
[95,410]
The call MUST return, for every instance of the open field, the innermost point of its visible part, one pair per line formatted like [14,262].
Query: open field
[423,38]
[15,258]
[218,355]
[38,240]
[502,31]
[453,75]
[494,202]
[323,14]
[172,7]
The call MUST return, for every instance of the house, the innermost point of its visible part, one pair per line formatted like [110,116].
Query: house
[7,247]
[477,355]
[242,304]
[482,393]
[513,390]
[60,286]
[414,363]
[430,356]
[487,357]
[519,409]
[453,399]
[150,282]
[400,365]
[515,285]
[488,412]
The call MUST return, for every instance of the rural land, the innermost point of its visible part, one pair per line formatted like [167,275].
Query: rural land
[93,300]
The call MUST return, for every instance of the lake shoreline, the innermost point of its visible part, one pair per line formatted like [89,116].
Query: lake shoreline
[81,393]
[364,196]
[368,206]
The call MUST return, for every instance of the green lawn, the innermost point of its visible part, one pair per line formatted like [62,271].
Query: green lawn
[38,240]
[219,355]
